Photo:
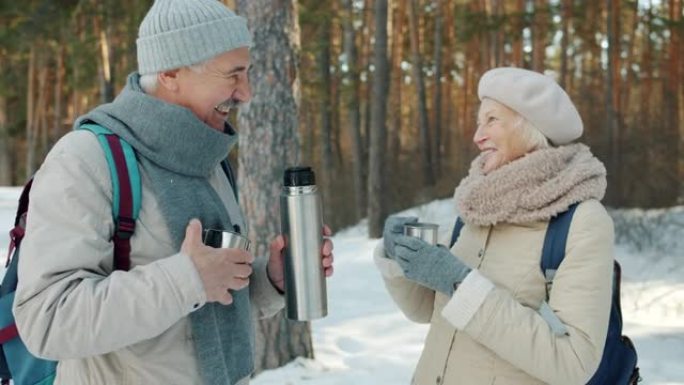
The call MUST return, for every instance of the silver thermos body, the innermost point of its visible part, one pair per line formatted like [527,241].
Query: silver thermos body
[302,226]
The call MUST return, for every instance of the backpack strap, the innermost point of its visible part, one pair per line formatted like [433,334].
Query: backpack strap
[228,170]
[553,252]
[8,333]
[230,175]
[617,279]
[126,190]
[17,232]
[458,226]
[555,241]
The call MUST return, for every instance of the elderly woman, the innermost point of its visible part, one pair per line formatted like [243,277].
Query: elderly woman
[484,297]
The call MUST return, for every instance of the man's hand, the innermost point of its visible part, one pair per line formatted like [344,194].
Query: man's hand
[220,269]
[276,263]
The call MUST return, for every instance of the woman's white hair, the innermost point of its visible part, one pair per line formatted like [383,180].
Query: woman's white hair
[531,135]
[150,82]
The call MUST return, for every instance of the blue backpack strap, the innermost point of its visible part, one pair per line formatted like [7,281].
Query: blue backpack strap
[553,253]
[458,226]
[556,238]
[228,170]
[126,190]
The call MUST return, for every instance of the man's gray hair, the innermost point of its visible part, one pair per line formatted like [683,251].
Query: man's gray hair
[150,82]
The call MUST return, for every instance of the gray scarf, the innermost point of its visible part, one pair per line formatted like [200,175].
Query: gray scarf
[535,187]
[178,152]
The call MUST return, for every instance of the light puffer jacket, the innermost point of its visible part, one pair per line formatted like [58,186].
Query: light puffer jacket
[109,327]
[490,332]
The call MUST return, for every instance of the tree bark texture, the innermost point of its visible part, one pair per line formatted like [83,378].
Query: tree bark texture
[5,143]
[353,109]
[269,142]
[421,95]
[325,106]
[376,181]
[437,98]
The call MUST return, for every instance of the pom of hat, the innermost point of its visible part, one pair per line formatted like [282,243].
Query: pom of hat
[538,98]
[179,33]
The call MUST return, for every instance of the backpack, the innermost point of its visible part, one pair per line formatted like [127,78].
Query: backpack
[619,361]
[16,362]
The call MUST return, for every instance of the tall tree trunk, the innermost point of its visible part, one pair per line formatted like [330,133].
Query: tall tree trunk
[56,131]
[680,40]
[103,32]
[325,104]
[336,84]
[5,139]
[40,117]
[397,80]
[269,142]
[376,182]
[353,109]
[631,49]
[647,114]
[539,35]
[517,44]
[566,9]
[419,79]
[30,114]
[76,71]
[437,99]
[310,130]
[449,123]
[483,34]
[463,121]
[453,92]
[680,44]
[5,146]
[496,34]
[675,74]
[612,95]
[366,62]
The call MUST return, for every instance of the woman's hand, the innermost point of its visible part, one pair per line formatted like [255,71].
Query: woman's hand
[431,266]
[394,227]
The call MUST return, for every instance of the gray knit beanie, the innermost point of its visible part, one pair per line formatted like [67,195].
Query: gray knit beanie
[179,33]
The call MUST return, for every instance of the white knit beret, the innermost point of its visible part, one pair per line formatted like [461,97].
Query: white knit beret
[538,98]
[179,33]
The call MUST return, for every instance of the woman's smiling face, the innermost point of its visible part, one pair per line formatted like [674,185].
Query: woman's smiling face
[498,135]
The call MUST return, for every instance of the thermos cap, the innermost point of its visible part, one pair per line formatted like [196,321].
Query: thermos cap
[299,176]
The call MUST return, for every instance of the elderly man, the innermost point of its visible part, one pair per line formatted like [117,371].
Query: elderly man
[182,313]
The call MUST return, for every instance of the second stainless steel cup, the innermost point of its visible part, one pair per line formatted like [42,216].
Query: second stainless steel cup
[424,231]
[225,239]
[302,227]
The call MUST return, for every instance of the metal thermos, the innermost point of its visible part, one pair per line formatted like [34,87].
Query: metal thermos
[302,226]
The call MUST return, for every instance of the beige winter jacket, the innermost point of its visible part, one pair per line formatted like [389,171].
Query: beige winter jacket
[490,332]
[109,327]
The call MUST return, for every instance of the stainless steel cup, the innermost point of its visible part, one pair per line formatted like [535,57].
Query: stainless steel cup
[424,231]
[225,239]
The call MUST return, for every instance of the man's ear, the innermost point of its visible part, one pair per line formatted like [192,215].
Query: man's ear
[169,80]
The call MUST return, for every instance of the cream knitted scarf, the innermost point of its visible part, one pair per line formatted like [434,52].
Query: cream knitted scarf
[534,187]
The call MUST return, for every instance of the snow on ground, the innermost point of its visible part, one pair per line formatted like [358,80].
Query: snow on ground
[365,340]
